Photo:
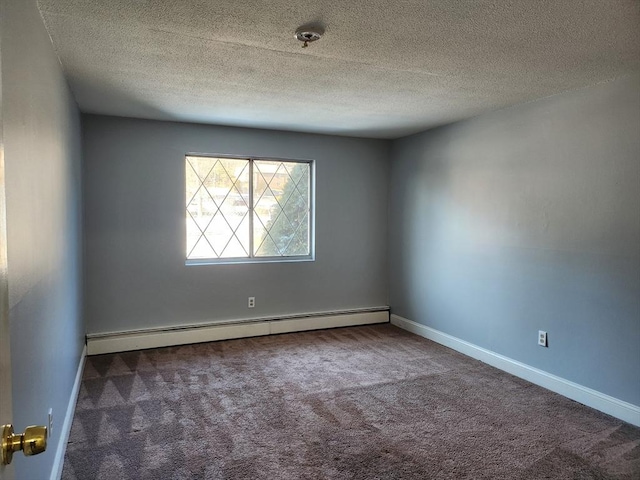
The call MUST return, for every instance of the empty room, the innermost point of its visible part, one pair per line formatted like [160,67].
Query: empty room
[319,240]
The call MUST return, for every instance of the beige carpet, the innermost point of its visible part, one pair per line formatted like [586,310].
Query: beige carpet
[369,402]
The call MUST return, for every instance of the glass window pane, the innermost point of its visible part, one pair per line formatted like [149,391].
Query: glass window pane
[221,210]
[281,213]
[217,196]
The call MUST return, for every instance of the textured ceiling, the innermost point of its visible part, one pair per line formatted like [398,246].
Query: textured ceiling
[385,68]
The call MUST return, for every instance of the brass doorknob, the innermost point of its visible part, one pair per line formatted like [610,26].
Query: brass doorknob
[32,442]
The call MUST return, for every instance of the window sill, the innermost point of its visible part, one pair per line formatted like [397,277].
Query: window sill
[228,261]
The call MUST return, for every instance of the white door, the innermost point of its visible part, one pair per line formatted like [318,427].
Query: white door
[6,471]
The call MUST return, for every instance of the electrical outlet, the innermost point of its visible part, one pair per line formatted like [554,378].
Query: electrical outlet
[252,302]
[50,422]
[542,338]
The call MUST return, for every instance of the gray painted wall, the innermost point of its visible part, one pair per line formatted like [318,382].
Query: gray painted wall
[525,219]
[42,155]
[134,220]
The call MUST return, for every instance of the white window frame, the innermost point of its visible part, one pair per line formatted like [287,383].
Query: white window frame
[251,258]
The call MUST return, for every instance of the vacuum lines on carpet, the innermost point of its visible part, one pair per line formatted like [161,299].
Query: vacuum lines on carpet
[372,402]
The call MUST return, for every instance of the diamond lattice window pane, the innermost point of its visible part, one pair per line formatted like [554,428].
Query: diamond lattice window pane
[281,212]
[266,248]
[219,233]
[193,181]
[239,244]
[259,235]
[220,208]
[297,171]
[202,249]
[299,245]
[193,236]
[217,196]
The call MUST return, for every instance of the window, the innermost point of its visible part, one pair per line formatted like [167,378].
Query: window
[247,209]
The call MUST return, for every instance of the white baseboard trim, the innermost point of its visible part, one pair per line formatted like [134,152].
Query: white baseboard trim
[592,398]
[181,335]
[65,429]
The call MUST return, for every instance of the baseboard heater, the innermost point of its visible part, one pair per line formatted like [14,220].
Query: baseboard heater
[111,342]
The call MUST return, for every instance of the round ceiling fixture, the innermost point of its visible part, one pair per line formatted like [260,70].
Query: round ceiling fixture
[308,34]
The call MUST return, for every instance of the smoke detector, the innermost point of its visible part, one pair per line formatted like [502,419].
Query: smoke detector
[309,34]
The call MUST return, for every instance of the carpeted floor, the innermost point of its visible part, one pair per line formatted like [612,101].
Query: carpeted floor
[368,402]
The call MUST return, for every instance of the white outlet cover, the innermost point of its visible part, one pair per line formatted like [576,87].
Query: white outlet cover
[542,338]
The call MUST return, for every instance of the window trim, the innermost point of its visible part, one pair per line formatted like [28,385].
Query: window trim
[311,257]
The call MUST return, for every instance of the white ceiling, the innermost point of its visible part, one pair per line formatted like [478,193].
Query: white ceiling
[385,68]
